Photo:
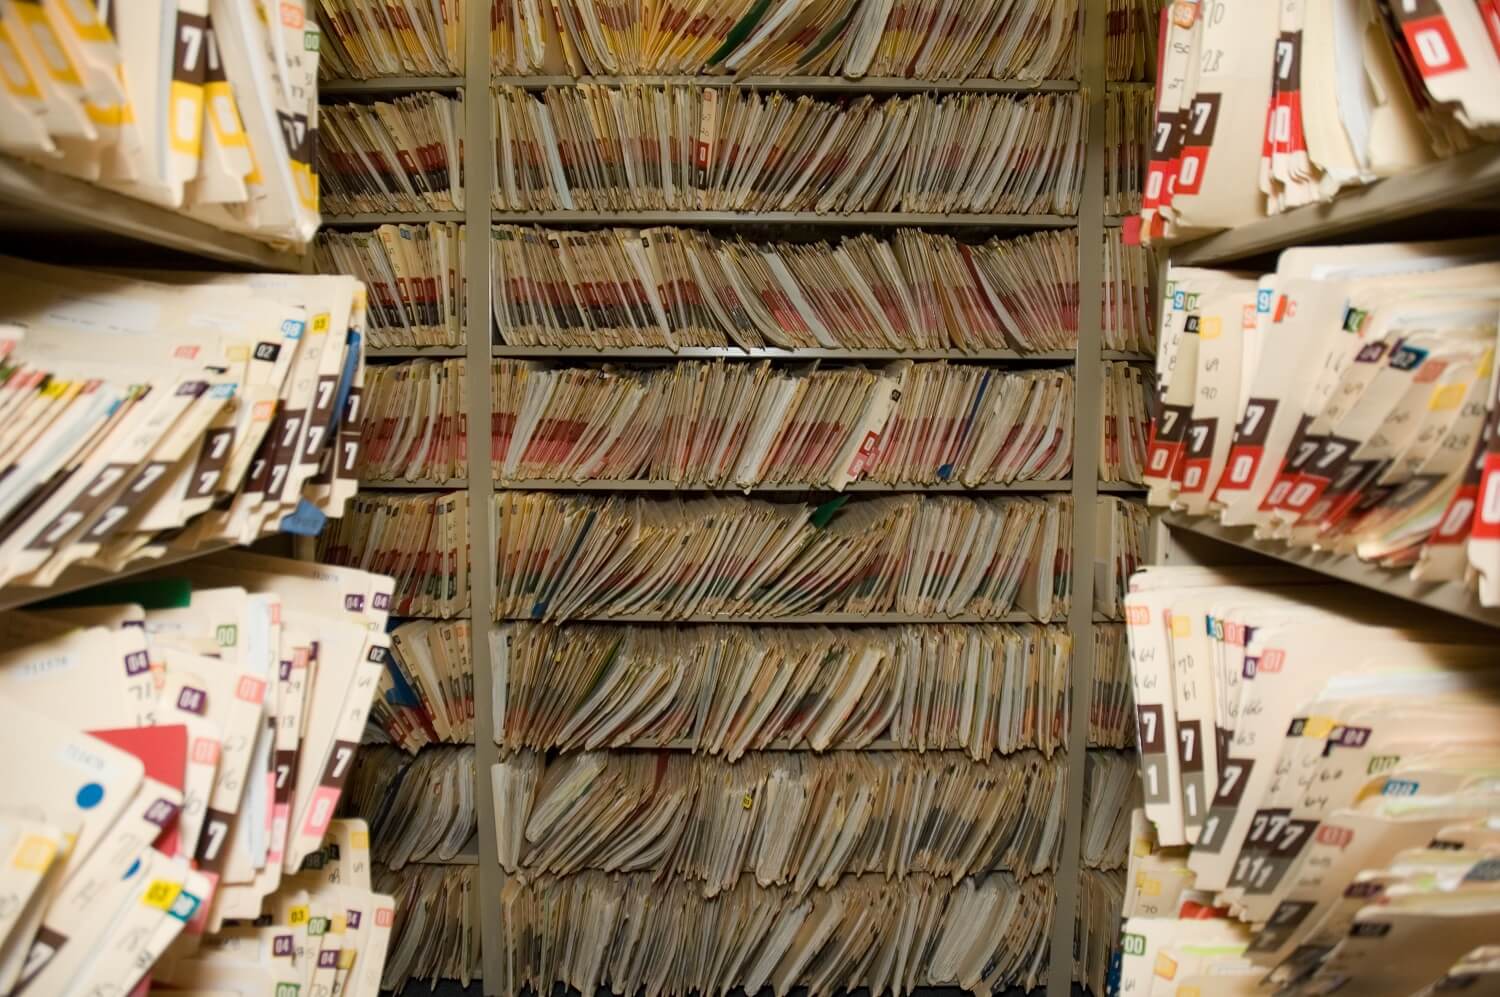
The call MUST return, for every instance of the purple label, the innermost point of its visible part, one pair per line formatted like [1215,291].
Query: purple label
[281,945]
[161,812]
[354,602]
[328,959]
[382,601]
[192,700]
[352,918]
[137,662]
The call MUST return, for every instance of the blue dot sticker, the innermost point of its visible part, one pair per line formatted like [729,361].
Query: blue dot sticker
[89,796]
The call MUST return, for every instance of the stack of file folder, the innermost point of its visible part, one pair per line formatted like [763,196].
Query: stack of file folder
[155,417]
[677,287]
[436,935]
[1126,425]
[421,540]
[705,822]
[211,110]
[1372,864]
[415,277]
[725,690]
[420,807]
[1097,928]
[1112,706]
[185,741]
[1130,296]
[364,39]
[415,426]
[734,424]
[1344,403]
[1130,42]
[564,557]
[1310,99]
[1111,790]
[1120,546]
[608,930]
[1128,120]
[919,39]
[636,147]
[427,692]
[400,155]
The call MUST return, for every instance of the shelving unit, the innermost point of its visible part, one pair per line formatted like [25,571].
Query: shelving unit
[1464,182]
[36,203]
[1083,487]
[78,578]
[1461,183]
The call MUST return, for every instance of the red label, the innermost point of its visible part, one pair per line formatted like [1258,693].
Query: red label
[1271,662]
[1239,472]
[1489,10]
[1334,837]
[1137,616]
[1458,517]
[1487,514]
[1434,46]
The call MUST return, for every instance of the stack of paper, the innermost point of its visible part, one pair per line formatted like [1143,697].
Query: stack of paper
[427,693]
[415,275]
[1330,769]
[743,424]
[147,419]
[1125,423]
[1346,403]
[420,540]
[1120,541]
[595,930]
[211,110]
[436,935]
[1267,107]
[626,148]
[364,39]
[1130,45]
[920,39]
[1130,296]
[158,799]
[1111,789]
[403,155]
[1096,929]
[563,557]
[670,287]
[725,690]
[418,808]
[1128,120]
[1112,706]
[415,427]
[706,822]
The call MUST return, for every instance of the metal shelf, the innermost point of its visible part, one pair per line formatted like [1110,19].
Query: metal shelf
[738,353]
[388,84]
[802,84]
[415,352]
[867,487]
[853,220]
[883,744]
[1453,183]
[1448,597]
[452,485]
[76,578]
[38,202]
[391,218]
[806,619]
[462,615]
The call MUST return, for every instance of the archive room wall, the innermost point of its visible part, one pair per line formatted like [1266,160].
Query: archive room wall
[755,431]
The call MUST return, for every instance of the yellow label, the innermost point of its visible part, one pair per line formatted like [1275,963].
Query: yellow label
[297,916]
[748,801]
[1166,966]
[185,114]
[238,354]
[1318,727]
[161,894]
[1188,990]
[360,840]
[1210,327]
[320,323]
[34,853]
[346,959]
[1142,847]
[1148,886]
[1448,397]
[1181,627]
[17,78]
[56,389]
[340,922]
